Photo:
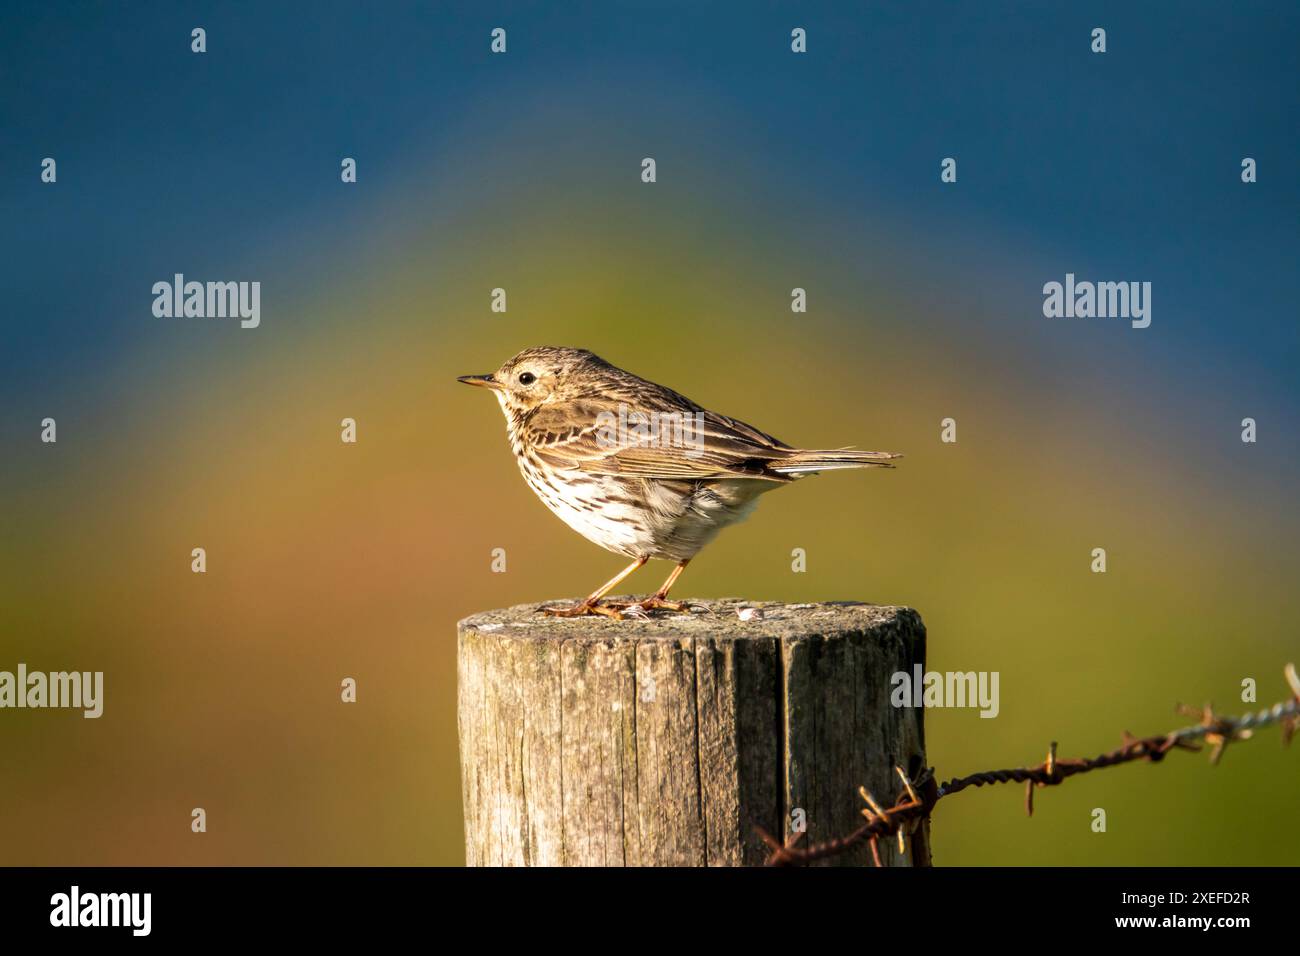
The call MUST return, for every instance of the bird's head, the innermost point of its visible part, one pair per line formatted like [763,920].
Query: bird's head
[540,375]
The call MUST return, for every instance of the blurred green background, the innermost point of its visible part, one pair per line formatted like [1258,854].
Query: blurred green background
[328,560]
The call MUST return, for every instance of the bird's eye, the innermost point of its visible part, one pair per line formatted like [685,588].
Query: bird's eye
[527,378]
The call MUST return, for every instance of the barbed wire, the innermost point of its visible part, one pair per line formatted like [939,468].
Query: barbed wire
[917,797]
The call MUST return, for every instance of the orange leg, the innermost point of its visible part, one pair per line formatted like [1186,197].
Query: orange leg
[591,605]
[659,598]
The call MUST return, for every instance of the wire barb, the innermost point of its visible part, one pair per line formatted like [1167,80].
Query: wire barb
[916,801]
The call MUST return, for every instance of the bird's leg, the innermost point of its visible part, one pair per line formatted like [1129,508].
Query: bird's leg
[659,598]
[591,605]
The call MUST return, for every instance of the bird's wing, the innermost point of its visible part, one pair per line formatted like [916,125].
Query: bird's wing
[677,442]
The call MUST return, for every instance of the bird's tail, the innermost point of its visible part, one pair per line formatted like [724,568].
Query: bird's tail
[807,461]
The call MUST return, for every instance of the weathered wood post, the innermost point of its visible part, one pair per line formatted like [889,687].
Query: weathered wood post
[667,741]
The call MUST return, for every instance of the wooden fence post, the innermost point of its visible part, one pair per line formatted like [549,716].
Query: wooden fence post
[590,742]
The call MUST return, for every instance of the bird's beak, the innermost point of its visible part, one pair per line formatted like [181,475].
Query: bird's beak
[483,381]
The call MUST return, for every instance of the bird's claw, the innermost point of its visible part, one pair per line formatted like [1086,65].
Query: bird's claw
[617,610]
[582,610]
[642,608]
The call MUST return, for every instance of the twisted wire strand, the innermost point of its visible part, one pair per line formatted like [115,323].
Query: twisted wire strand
[916,803]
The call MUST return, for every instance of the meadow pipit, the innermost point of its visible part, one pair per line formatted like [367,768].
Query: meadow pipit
[637,468]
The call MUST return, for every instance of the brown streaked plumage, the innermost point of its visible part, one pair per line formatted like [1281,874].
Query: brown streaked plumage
[635,467]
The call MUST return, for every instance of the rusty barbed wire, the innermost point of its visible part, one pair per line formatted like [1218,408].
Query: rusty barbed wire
[918,797]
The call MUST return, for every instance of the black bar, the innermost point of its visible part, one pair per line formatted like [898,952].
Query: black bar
[994,906]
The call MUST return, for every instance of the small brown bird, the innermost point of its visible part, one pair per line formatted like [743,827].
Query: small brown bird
[637,468]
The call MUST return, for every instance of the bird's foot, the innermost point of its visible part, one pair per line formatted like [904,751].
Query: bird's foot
[618,610]
[584,609]
[643,608]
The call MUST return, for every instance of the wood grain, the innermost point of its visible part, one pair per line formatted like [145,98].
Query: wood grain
[665,742]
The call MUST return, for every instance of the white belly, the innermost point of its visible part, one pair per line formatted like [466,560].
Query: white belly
[645,517]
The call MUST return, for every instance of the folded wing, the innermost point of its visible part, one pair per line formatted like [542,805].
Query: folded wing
[679,440]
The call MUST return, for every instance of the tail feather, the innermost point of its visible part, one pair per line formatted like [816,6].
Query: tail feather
[807,461]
